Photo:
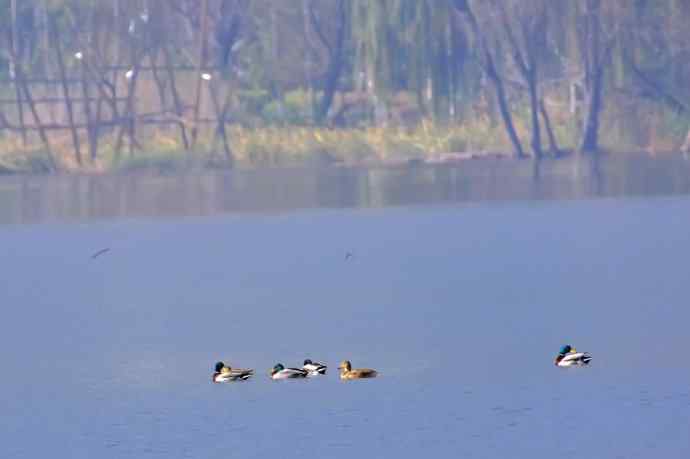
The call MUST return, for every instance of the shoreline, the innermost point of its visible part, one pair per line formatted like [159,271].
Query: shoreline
[174,163]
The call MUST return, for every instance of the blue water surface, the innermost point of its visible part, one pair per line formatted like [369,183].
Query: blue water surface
[460,308]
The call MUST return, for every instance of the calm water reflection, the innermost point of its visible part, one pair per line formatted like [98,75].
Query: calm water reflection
[39,199]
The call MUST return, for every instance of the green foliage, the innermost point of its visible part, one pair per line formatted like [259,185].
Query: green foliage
[294,108]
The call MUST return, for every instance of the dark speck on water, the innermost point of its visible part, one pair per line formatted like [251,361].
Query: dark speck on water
[476,275]
[99,253]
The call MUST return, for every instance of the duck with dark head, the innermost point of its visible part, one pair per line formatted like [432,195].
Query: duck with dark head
[280,372]
[569,357]
[224,373]
[314,368]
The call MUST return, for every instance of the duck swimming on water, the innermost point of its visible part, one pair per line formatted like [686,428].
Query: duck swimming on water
[314,368]
[224,373]
[569,357]
[346,371]
[280,372]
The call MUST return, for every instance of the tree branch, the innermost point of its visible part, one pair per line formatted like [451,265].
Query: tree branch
[317,28]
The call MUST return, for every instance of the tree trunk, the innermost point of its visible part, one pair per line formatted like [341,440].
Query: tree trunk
[65,90]
[21,79]
[308,63]
[179,110]
[463,7]
[594,64]
[20,107]
[160,84]
[534,108]
[335,65]
[91,127]
[526,60]
[590,136]
[221,115]
[503,105]
[553,143]
[130,115]
[203,34]
[14,46]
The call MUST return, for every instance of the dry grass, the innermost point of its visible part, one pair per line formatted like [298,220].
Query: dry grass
[162,149]
[257,147]
[280,145]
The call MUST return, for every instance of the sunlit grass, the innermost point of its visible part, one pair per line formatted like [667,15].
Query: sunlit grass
[162,150]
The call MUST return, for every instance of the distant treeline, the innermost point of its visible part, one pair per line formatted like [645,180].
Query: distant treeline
[101,76]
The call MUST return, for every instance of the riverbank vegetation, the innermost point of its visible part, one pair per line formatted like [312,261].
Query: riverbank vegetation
[99,86]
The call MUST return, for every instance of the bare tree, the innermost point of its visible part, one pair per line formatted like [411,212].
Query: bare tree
[595,52]
[487,43]
[336,53]
[527,48]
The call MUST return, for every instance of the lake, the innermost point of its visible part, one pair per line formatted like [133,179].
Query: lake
[463,284]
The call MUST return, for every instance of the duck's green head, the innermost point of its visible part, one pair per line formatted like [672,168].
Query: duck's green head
[219,366]
[565,349]
[277,367]
[307,362]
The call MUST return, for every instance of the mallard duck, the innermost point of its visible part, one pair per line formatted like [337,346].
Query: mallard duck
[314,368]
[346,371]
[569,357]
[224,373]
[280,372]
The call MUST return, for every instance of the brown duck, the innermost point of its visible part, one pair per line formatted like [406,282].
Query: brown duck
[346,371]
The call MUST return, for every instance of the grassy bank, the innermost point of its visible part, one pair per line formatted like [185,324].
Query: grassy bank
[264,147]
[163,152]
